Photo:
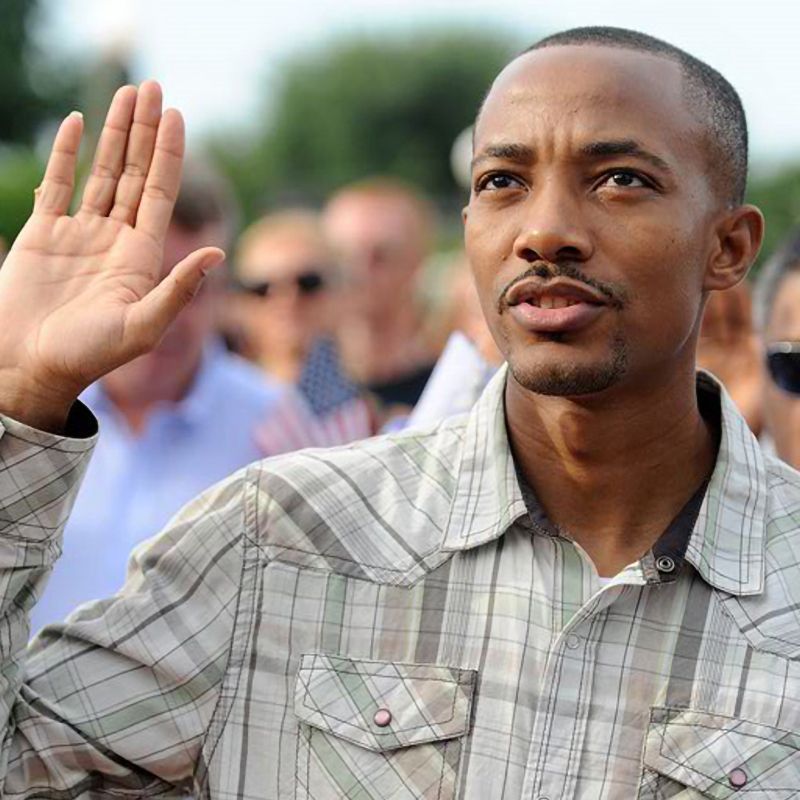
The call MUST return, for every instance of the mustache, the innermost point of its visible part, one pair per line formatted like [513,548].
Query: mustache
[616,295]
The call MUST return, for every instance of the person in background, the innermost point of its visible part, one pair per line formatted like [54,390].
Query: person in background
[729,348]
[469,358]
[286,273]
[174,421]
[282,319]
[777,300]
[382,231]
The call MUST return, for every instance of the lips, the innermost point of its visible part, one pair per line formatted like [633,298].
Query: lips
[554,306]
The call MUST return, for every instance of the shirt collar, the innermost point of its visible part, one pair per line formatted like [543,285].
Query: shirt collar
[727,546]
[487,499]
[727,542]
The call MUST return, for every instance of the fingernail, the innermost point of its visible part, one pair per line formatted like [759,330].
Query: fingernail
[212,260]
[77,114]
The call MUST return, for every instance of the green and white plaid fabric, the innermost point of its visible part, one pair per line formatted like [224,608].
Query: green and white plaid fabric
[388,620]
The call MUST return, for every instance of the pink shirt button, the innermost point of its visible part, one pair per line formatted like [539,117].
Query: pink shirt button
[382,717]
[737,778]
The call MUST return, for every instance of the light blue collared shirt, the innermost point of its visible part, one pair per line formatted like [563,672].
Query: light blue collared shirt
[134,484]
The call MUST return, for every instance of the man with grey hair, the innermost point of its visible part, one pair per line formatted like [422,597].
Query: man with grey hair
[586,588]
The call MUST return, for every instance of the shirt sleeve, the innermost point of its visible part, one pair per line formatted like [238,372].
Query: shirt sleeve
[117,699]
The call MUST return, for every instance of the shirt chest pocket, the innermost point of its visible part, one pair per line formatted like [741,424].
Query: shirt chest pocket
[378,729]
[695,754]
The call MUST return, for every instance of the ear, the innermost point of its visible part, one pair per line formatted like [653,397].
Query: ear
[738,238]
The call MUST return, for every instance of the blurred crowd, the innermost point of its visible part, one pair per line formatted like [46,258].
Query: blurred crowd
[323,328]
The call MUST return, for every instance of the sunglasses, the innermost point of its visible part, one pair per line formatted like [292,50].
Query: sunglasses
[307,283]
[783,365]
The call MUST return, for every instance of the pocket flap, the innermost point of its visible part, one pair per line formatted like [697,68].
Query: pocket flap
[722,756]
[415,703]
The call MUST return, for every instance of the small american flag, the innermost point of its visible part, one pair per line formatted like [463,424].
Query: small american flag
[325,408]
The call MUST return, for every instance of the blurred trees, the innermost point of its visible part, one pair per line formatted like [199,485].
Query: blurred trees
[389,103]
[33,88]
[33,91]
[777,194]
[362,106]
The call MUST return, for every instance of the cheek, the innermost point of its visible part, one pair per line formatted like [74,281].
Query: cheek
[662,269]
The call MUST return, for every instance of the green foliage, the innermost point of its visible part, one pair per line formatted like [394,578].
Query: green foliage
[20,172]
[32,89]
[778,196]
[366,106]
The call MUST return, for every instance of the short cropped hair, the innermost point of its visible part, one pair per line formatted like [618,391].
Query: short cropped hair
[711,98]
[205,198]
[784,262]
[289,223]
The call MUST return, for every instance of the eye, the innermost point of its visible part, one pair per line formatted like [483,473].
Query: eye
[625,179]
[497,181]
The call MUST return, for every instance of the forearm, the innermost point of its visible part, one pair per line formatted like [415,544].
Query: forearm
[39,478]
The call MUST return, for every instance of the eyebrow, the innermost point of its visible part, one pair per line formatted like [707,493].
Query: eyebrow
[623,147]
[523,154]
[520,153]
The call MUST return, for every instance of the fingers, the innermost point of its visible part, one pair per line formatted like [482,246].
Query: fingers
[141,143]
[151,316]
[163,178]
[101,185]
[55,192]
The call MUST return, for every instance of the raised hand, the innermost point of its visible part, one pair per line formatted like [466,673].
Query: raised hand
[80,295]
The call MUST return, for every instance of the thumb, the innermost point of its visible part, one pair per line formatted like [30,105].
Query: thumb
[149,318]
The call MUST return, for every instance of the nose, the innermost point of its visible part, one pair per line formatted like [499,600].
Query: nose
[553,227]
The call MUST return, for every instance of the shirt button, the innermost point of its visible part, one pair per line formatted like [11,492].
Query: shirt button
[737,778]
[573,641]
[665,564]
[382,717]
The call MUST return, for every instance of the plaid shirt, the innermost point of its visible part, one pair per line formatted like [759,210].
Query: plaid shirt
[388,620]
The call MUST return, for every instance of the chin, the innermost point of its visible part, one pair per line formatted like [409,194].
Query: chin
[561,376]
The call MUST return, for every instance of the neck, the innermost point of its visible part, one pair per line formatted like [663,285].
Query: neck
[613,471]
[136,408]
[285,365]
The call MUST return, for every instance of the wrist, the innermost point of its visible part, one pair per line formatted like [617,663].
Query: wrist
[32,404]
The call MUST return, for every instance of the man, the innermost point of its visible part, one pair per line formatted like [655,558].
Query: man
[382,231]
[287,312]
[287,275]
[778,312]
[175,421]
[587,588]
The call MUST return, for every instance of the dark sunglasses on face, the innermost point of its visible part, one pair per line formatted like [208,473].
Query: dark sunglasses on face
[307,283]
[783,365]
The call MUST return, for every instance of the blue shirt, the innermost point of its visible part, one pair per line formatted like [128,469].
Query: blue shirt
[135,484]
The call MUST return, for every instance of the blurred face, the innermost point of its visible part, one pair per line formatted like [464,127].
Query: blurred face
[288,277]
[590,221]
[381,247]
[167,372]
[781,407]
[468,316]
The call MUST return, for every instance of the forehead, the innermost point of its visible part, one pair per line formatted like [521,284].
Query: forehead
[587,92]
[281,253]
[366,214]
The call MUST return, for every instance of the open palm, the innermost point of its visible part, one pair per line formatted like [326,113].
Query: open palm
[81,295]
